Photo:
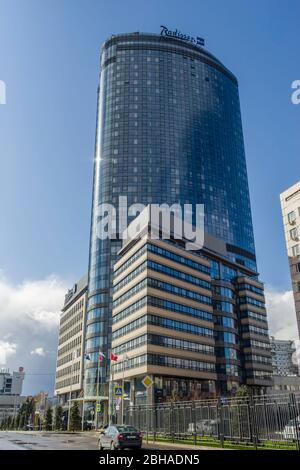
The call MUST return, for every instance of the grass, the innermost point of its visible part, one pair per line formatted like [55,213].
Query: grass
[211,442]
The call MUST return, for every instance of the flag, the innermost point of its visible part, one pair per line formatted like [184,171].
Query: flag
[101,356]
[113,357]
[87,357]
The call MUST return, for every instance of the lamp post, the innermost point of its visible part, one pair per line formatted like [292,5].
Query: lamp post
[70,394]
[125,360]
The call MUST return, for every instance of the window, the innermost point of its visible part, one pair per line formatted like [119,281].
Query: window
[298,286]
[296,250]
[223,306]
[294,233]
[291,217]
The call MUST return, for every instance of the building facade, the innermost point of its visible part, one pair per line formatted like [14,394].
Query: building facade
[169,131]
[11,392]
[285,384]
[70,354]
[11,383]
[283,357]
[195,332]
[290,206]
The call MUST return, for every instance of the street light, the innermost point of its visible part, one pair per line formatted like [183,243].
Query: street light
[71,382]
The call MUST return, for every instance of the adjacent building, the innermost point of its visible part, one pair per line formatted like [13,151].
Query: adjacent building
[11,383]
[290,206]
[285,384]
[11,392]
[70,354]
[169,131]
[283,357]
[193,321]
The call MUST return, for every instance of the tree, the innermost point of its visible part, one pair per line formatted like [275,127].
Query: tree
[26,413]
[75,418]
[4,424]
[243,391]
[58,418]
[37,421]
[10,422]
[48,419]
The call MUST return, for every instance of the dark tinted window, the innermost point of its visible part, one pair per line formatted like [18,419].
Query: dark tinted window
[126,429]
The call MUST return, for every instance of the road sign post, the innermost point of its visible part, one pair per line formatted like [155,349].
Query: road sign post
[147,382]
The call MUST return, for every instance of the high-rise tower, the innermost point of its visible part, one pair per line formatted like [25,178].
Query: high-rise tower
[169,131]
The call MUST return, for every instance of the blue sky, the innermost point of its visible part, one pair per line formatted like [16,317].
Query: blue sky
[49,60]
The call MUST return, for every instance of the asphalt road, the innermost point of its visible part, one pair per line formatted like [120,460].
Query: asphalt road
[46,441]
[29,440]
[51,441]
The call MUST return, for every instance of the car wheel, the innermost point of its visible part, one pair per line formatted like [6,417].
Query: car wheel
[112,446]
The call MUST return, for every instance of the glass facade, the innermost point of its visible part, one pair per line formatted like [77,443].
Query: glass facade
[168,131]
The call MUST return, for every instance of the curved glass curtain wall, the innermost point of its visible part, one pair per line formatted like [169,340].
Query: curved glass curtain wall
[168,131]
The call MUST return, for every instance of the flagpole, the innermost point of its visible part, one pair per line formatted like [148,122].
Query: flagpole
[97,393]
[110,392]
[123,390]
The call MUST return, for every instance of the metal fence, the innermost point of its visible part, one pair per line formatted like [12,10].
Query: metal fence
[255,421]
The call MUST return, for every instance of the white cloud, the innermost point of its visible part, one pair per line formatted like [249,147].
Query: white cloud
[29,318]
[6,350]
[281,313]
[38,352]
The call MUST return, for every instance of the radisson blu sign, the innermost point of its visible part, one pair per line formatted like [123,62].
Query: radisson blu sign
[184,37]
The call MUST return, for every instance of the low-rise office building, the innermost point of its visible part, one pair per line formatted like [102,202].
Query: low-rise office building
[70,354]
[285,384]
[194,321]
[11,392]
[11,383]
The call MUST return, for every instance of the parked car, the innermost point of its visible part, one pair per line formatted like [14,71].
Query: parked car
[102,428]
[292,429]
[88,425]
[120,437]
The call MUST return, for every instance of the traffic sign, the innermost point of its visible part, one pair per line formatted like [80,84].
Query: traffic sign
[147,381]
[118,391]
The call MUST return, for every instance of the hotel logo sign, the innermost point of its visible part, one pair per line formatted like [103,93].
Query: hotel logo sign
[197,41]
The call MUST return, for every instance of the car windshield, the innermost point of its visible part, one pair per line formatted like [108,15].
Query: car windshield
[126,429]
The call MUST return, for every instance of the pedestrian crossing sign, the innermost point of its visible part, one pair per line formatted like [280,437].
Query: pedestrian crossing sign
[118,392]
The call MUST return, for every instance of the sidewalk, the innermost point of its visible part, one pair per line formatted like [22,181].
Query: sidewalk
[171,445]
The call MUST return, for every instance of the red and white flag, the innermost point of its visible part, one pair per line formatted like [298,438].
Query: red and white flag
[101,356]
[113,357]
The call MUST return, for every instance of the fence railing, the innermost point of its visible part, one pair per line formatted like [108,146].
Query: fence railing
[256,421]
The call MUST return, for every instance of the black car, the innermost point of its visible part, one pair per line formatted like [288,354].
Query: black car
[120,437]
